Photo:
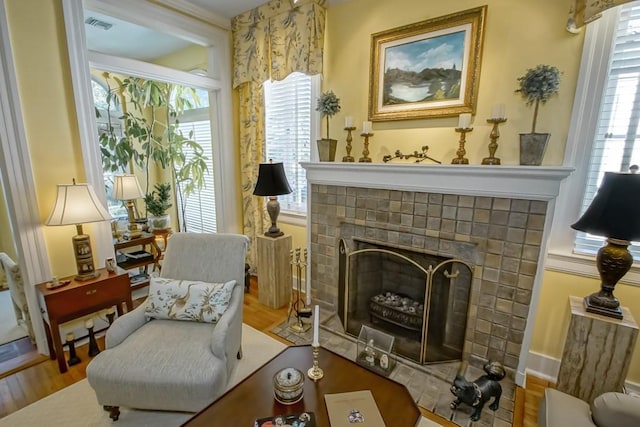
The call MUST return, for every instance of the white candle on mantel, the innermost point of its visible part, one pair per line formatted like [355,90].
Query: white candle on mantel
[366,127]
[88,323]
[316,322]
[498,111]
[348,122]
[464,120]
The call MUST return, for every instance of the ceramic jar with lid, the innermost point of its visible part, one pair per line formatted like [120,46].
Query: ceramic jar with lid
[288,386]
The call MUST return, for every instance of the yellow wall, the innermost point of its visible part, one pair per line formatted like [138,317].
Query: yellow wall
[187,59]
[44,84]
[6,234]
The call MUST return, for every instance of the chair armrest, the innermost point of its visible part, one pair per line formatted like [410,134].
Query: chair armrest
[126,325]
[227,334]
[558,409]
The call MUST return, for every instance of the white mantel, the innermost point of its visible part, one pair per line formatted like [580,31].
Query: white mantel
[520,182]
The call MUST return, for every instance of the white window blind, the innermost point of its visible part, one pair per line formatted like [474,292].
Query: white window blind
[615,148]
[288,114]
[200,209]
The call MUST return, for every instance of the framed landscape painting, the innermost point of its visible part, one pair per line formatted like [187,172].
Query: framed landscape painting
[427,69]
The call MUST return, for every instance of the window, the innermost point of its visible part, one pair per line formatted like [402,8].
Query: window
[614,143]
[290,119]
[200,206]
[602,135]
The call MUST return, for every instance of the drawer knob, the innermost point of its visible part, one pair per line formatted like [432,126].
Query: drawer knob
[91,292]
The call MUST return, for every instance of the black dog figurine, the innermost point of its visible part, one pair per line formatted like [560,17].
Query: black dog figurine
[479,392]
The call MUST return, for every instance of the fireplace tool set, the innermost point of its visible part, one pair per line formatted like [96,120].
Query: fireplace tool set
[297,305]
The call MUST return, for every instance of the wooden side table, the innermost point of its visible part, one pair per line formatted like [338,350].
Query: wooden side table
[153,256]
[78,299]
[274,270]
[597,352]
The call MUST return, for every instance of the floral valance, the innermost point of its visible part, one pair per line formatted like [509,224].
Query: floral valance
[584,11]
[278,38]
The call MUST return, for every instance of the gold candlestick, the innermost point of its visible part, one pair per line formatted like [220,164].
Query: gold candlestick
[349,157]
[365,153]
[493,145]
[315,373]
[461,160]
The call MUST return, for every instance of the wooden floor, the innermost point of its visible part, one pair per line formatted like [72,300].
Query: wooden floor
[35,382]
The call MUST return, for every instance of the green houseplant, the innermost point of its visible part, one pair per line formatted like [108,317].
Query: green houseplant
[152,135]
[537,85]
[328,105]
[158,203]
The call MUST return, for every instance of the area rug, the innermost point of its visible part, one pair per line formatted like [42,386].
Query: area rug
[9,328]
[76,405]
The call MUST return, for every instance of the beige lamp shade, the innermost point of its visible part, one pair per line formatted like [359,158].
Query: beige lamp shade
[127,187]
[77,204]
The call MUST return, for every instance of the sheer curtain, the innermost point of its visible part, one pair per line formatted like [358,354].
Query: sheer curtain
[269,42]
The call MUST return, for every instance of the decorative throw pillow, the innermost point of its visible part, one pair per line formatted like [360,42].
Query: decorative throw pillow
[188,300]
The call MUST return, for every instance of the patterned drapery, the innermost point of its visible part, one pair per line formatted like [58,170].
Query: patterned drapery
[584,11]
[269,42]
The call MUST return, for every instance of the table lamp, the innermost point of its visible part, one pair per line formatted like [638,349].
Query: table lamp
[272,182]
[78,204]
[126,187]
[615,214]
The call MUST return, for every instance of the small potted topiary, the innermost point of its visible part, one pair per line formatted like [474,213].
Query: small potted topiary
[536,86]
[328,105]
[157,206]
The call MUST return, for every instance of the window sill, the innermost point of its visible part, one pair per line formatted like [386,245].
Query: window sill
[293,218]
[585,266]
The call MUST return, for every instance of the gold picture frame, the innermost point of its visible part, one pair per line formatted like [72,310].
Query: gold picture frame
[427,69]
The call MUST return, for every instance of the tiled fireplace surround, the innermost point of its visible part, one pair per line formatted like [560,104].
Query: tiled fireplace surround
[496,218]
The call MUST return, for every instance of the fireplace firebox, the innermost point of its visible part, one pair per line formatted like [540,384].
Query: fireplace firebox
[420,298]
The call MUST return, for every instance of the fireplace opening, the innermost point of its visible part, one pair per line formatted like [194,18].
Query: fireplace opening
[421,299]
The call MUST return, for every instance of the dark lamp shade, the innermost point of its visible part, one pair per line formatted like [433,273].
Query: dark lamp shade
[615,210]
[272,180]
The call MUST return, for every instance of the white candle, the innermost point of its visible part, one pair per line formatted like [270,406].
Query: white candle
[498,111]
[464,120]
[366,127]
[316,322]
[88,323]
[348,122]
[70,337]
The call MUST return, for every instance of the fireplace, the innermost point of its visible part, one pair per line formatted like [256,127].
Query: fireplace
[419,298]
[495,219]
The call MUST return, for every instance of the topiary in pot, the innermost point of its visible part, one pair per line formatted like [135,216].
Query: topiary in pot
[157,203]
[536,86]
[328,105]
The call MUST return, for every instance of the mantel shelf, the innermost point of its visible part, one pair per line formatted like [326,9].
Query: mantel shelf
[522,182]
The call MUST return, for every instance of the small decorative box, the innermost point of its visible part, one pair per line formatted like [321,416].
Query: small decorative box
[287,386]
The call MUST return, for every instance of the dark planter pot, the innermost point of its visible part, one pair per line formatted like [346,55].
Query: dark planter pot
[327,149]
[532,148]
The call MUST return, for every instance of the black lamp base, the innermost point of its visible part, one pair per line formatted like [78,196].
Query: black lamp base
[273,234]
[592,305]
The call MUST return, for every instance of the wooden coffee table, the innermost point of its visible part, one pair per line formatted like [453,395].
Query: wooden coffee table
[253,397]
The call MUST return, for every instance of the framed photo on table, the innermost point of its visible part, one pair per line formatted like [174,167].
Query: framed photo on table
[427,69]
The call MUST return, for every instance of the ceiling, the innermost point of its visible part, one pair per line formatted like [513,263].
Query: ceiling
[136,42]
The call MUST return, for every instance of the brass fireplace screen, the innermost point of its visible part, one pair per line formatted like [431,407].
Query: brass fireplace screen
[420,298]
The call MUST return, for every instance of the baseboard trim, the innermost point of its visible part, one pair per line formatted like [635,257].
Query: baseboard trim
[546,368]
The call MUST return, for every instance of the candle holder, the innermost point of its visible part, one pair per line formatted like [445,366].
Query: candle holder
[73,357]
[111,314]
[365,153]
[493,145]
[94,350]
[315,373]
[460,159]
[349,157]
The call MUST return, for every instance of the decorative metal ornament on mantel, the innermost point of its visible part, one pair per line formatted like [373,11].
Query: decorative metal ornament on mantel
[420,157]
